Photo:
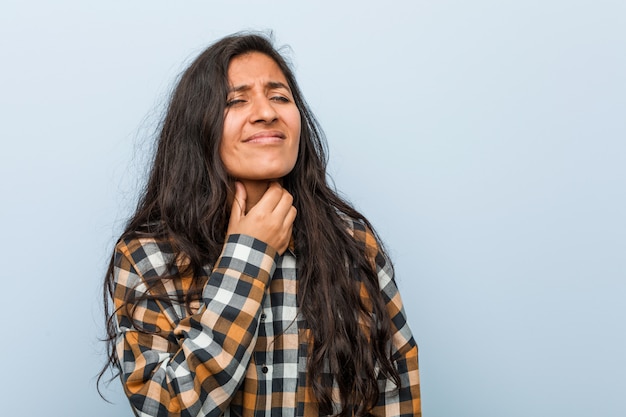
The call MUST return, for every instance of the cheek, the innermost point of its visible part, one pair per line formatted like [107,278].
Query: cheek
[295,123]
[227,153]
[228,139]
[296,130]
[227,130]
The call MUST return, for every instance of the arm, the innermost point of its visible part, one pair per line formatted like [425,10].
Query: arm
[188,365]
[404,400]
[192,365]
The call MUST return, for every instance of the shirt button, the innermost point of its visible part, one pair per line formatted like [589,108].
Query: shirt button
[263,316]
[264,369]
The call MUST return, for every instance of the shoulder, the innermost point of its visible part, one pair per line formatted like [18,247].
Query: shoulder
[374,250]
[147,256]
[151,266]
[362,232]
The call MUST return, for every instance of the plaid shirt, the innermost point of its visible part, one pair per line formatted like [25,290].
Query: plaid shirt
[243,350]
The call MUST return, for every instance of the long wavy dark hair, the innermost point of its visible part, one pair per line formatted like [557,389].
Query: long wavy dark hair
[185,200]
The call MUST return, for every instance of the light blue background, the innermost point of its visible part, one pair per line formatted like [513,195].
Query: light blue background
[484,139]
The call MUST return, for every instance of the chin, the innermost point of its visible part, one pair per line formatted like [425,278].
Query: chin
[267,175]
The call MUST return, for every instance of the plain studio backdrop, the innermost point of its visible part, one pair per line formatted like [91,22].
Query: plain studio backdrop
[485,140]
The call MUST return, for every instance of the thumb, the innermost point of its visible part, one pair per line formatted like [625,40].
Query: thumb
[239,202]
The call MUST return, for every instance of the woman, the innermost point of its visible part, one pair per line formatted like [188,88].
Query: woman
[243,284]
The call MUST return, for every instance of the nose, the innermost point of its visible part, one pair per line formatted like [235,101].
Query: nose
[263,111]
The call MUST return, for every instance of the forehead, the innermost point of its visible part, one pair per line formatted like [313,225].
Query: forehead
[252,68]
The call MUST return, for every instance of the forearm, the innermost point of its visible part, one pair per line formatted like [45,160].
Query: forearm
[199,363]
[405,399]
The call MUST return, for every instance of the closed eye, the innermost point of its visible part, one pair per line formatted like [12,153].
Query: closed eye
[234,102]
[280,99]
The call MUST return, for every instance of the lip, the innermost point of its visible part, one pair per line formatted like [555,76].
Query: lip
[266,136]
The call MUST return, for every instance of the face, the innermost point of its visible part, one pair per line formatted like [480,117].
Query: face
[261,123]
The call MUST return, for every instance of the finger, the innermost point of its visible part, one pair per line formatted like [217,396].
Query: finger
[239,202]
[290,217]
[270,198]
[285,204]
[285,244]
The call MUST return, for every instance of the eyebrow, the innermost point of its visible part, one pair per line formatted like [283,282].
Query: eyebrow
[269,84]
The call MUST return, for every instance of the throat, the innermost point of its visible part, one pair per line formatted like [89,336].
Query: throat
[254,191]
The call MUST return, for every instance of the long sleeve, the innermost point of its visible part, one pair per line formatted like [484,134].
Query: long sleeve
[188,364]
[402,401]
[405,400]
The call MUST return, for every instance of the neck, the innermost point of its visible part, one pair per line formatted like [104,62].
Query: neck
[254,191]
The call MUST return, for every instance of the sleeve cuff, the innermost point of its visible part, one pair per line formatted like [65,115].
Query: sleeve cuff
[249,256]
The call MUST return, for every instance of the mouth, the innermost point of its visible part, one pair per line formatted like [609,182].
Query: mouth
[266,136]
